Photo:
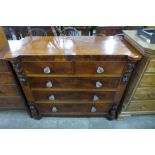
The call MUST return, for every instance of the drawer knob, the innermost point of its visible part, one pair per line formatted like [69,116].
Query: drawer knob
[99,84]
[51,98]
[93,109]
[54,109]
[100,70]
[47,70]
[96,98]
[49,84]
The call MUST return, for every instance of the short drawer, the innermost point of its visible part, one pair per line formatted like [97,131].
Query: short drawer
[142,105]
[148,80]
[48,67]
[8,90]
[100,67]
[73,108]
[151,66]
[3,66]
[79,82]
[53,96]
[145,94]
[11,103]
[6,78]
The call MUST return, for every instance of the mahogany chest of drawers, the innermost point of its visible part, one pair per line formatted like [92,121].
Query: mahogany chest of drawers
[73,76]
[139,97]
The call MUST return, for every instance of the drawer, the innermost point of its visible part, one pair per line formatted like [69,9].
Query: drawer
[11,103]
[3,66]
[142,106]
[79,67]
[100,67]
[6,78]
[148,80]
[65,82]
[145,94]
[8,90]
[73,108]
[48,67]
[151,66]
[59,96]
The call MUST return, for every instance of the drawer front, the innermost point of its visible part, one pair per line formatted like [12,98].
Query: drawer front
[3,66]
[48,67]
[11,103]
[8,90]
[53,96]
[73,108]
[96,67]
[142,106]
[6,78]
[145,94]
[148,80]
[90,67]
[151,66]
[45,82]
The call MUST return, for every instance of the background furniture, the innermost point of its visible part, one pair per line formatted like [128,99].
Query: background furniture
[18,32]
[139,97]
[10,97]
[111,30]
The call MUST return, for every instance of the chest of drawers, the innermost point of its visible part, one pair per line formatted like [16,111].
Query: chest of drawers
[10,97]
[139,97]
[75,76]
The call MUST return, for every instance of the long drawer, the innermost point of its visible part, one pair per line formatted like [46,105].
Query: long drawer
[78,82]
[151,66]
[8,90]
[148,80]
[145,94]
[52,96]
[3,66]
[11,103]
[6,78]
[73,108]
[90,67]
[141,105]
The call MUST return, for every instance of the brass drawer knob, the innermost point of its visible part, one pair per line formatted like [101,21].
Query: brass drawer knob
[99,84]
[51,98]
[54,109]
[93,109]
[95,98]
[47,70]
[49,84]
[100,70]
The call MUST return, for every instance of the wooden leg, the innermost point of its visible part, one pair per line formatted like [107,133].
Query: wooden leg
[122,117]
[112,112]
[34,112]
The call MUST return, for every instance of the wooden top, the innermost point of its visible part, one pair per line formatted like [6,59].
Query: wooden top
[3,40]
[77,45]
[139,42]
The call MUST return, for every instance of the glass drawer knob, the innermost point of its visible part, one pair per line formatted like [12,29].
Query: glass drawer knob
[100,70]
[51,98]
[99,84]
[95,98]
[47,70]
[93,109]
[49,84]
[54,109]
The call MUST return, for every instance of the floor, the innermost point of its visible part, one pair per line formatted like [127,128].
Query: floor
[20,120]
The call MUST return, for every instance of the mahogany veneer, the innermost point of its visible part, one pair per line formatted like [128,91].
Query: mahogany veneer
[84,76]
